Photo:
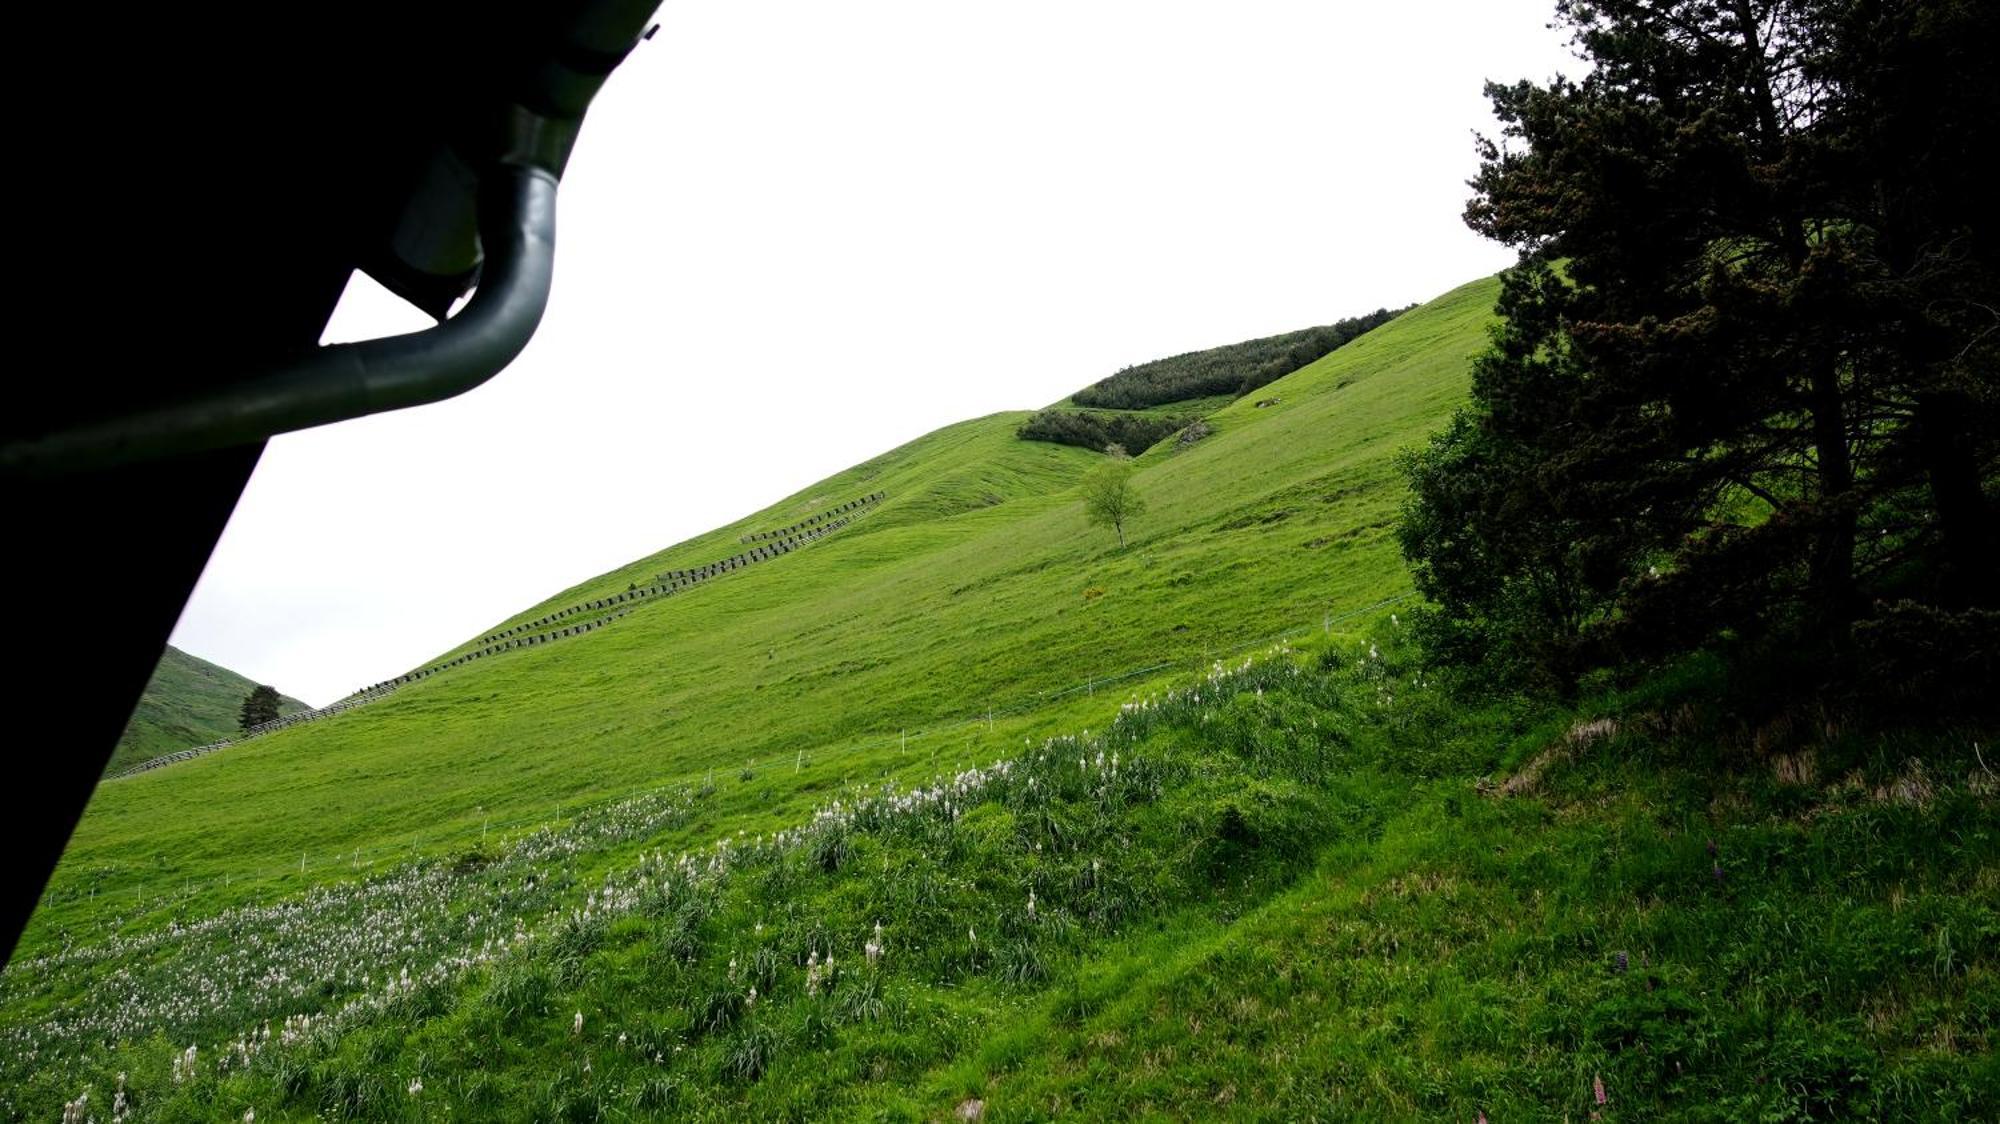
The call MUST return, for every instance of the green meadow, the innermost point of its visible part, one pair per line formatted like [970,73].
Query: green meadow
[964,812]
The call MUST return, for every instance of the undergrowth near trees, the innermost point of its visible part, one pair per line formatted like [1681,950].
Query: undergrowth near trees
[1316,884]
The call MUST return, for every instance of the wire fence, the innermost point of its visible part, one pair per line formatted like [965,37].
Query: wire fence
[362,860]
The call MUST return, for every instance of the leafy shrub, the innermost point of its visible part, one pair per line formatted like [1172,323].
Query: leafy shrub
[658,1093]
[1135,433]
[521,993]
[679,933]
[1020,962]
[576,936]
[720,1010]
[750,1054]
[830,846]
[764,970]
[862,1002]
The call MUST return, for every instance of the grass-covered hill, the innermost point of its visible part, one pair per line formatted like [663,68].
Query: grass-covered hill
[187,702]
[963,812]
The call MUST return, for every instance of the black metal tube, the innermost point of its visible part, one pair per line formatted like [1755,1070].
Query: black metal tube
[517,229]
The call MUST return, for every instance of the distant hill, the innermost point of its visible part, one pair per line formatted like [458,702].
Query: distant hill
[188,702]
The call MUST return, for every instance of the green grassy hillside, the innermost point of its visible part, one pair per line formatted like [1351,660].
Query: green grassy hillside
[963,809]
[965,590]
[187,702]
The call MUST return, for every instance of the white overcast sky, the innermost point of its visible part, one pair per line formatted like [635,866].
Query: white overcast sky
[795,235]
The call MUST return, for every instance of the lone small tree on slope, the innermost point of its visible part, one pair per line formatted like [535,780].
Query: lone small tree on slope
[259,706]
[1109,499]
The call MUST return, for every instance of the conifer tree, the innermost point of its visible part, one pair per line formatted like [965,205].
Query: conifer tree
[259,706]
[1743,384]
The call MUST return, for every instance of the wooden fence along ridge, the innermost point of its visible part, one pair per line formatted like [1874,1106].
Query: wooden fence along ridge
[527,635]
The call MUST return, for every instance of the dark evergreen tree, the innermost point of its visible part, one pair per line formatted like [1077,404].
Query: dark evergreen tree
[1743,385]
[259,706]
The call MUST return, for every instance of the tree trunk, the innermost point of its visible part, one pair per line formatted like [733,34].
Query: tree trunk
[1757,70]
[1965,527]
[1832,564]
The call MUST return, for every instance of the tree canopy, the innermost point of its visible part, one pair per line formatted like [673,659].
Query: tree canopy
[1110,500]
[1743,384]
[259,706]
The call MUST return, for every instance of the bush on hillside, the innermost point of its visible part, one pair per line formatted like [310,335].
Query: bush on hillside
[1236,369]
[1085,429]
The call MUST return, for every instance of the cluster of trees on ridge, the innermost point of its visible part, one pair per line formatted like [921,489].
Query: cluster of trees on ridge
[1090,429]
[1743,396]
[1236,369]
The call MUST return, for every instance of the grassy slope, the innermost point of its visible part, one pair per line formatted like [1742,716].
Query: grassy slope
[1313,902]
[187,702]
[1709,932]
[939,605]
